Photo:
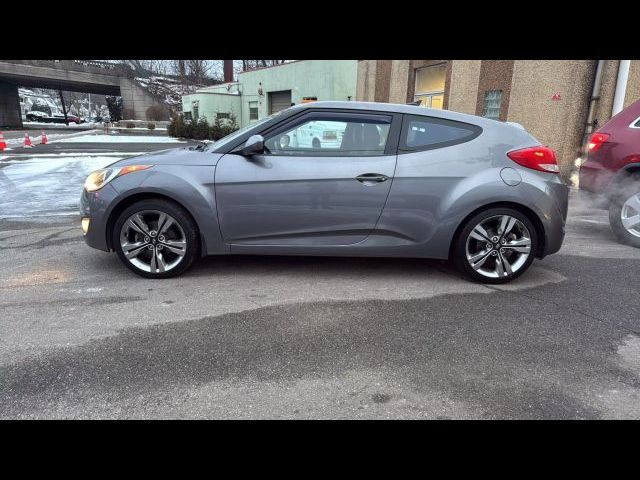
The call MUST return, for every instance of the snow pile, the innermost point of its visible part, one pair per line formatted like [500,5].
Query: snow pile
[170,90]
[119,139]
[45,186]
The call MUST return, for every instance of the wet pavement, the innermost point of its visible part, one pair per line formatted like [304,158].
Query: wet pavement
[274,337]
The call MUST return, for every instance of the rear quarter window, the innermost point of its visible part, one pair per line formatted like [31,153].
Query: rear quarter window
[426,133]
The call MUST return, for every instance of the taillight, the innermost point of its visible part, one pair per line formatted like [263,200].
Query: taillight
[538,158]
[596,141]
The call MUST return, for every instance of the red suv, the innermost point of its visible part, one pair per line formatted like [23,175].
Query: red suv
[612,170]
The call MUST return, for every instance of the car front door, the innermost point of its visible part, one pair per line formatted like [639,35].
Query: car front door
[322,180]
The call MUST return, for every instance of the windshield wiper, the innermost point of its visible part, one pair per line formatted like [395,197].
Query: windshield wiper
[199,148]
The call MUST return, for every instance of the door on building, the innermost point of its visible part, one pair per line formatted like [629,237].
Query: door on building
[279,101]
[323,193]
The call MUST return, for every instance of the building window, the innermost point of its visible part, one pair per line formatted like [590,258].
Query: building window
[429,86]
[253,111]
[492,104]
[194,111]
[221,115]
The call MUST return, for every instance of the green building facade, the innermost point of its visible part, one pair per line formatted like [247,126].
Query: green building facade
[259,93]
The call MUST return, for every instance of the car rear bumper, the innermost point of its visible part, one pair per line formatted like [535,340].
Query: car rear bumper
[555,217]
[594,177]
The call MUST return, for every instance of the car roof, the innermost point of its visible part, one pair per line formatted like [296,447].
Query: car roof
[401,108]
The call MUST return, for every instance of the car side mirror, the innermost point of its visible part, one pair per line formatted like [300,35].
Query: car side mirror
[253,146]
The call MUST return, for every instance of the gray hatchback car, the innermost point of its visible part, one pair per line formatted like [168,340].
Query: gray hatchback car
[338,179]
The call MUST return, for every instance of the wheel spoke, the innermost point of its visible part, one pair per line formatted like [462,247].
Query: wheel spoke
[137,223]
[154,263]
[505,263]
[162,265]
[161,219]
[523,245]
[480,233]
[506,225]
[478,260]
[177,247]
[132,250]
[165,225]
[499,267]
[634,202]
[631,222]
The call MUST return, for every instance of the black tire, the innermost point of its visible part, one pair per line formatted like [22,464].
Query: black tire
[625,191]
[458,251]
[180,215]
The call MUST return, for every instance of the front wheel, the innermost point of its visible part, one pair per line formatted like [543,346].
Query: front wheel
[495,246]
[156,238]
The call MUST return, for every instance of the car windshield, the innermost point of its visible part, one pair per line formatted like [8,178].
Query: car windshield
[232,136]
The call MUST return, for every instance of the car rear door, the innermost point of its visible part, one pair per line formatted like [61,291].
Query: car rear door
[323,180]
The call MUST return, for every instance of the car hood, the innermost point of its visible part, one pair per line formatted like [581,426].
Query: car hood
[173,156]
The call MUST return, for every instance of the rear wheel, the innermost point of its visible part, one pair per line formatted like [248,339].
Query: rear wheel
[156,238]
[495,246]
[624,215]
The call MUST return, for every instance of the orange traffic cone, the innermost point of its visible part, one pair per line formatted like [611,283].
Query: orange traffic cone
[27,141]
[44,140]
[3,144]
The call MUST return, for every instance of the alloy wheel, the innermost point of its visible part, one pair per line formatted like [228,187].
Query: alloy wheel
[498,246]
[630,215]
[153,241]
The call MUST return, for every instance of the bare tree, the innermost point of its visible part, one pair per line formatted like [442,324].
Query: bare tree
[198,70]
[253,64]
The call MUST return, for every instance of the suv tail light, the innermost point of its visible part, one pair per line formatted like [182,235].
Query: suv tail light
[596,141]
[537,158]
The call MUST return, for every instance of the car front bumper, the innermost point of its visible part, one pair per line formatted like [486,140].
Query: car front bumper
[94,211]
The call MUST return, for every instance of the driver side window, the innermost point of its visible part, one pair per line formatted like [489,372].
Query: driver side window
[331,136]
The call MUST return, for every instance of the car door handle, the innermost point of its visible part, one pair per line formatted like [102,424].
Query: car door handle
[372,178]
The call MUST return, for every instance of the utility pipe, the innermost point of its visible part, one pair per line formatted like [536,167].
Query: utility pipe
[621,87]
[595,96]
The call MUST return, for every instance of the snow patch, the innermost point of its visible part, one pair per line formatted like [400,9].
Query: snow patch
[38,187]
[119,139]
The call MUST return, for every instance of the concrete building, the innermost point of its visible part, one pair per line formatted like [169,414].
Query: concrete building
[550,98]
[258,93]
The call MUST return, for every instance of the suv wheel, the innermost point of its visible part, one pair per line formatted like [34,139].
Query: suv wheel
[624,215]
[495,246]
[156,238]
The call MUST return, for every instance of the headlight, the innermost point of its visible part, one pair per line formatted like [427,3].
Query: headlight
[98,179]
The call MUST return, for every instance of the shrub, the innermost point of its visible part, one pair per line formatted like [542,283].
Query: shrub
[130,125]
[176,127]
[201,130]
[157,113]
[223,127]
[151,126]
[127,114]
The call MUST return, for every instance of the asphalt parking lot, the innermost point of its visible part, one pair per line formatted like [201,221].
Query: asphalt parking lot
[274,337]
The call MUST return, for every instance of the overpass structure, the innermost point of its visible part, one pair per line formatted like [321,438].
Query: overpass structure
[69,75]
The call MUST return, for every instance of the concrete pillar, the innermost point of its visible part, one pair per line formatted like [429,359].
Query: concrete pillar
[135,99]
[10,115]
[399,81]
[366,84]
